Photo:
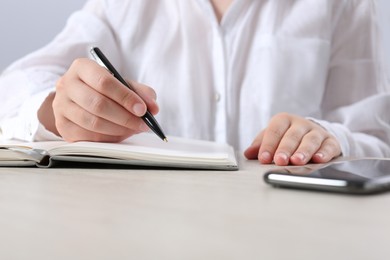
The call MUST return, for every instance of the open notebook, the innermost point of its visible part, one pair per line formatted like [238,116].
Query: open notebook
[141,150]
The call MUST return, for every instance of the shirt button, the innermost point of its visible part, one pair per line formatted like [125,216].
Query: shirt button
[217,97]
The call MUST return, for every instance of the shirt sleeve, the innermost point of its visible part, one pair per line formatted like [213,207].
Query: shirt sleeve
[26,127]
[365,127]
[356,101]
[25,84]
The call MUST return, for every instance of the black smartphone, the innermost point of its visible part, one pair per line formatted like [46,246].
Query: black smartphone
[359,176]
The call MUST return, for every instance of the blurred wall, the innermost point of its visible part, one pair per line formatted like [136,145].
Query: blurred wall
[27,25]
[384,22]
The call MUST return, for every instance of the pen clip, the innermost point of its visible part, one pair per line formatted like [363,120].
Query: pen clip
[98,60]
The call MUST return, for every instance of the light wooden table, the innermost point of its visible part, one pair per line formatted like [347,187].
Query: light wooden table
[165,214]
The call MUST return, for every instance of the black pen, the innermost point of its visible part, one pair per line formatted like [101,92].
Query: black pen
[148,118]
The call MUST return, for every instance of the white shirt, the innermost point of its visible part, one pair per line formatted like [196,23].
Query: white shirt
[223,82]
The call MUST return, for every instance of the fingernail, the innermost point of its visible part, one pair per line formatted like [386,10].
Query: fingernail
[282,156]
[155,103]
[266,156]
[320,155]
[139,109]
[300,156]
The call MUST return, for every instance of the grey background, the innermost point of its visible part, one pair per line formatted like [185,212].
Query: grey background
[28,25]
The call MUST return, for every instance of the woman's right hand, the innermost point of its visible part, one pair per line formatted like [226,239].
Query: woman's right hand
[91,105]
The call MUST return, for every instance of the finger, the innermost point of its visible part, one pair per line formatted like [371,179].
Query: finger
[147,94]
[102,81]
[289,144]
[76,133]
[100,107]
[93,123]
[310,144]
[329,149]
[252,152]
[271,139]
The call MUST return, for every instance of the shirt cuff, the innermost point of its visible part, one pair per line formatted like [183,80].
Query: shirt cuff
[26,126]
[339,131]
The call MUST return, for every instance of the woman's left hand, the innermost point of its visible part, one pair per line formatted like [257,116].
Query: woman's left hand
[291,139]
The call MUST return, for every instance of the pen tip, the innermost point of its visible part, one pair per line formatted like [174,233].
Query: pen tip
[166,140]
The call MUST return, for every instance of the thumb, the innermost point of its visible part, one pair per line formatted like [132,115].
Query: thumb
[148,95]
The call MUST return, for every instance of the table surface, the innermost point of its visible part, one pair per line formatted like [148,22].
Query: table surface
[175,214]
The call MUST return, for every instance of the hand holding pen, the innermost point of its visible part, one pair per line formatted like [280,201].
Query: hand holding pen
[90,104]
[148,118]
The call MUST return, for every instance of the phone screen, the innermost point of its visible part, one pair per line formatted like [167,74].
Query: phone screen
[363,176]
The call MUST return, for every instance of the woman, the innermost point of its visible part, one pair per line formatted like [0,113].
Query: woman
[284,78]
